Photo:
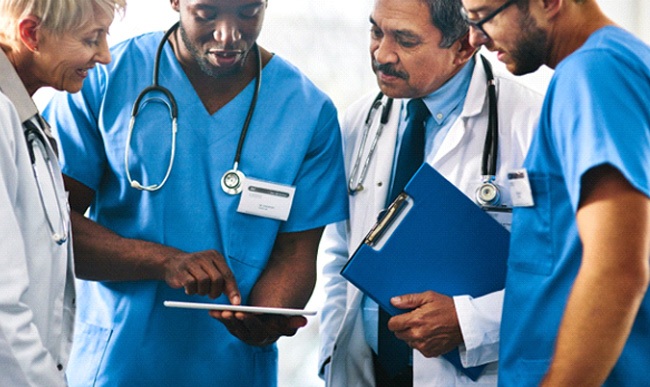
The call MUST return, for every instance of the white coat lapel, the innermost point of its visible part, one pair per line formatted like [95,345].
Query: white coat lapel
[475,102]
[383,166]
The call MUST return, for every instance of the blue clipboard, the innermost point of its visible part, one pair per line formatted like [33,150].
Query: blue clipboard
[432,237]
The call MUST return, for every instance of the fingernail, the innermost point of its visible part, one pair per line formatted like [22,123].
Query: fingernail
[396,299]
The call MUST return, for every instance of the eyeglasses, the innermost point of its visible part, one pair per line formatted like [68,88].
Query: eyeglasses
[478,24]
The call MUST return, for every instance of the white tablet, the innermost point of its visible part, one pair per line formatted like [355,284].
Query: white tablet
[240,308]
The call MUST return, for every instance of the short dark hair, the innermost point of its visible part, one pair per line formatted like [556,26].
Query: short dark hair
[446,16]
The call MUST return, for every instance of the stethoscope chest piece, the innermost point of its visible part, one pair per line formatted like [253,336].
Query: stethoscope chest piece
[487,194]
[231,182]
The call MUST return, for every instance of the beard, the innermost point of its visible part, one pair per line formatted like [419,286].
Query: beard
[530,53]
[203,62]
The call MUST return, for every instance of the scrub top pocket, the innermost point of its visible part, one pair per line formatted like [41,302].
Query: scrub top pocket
[534,233]
[91,342]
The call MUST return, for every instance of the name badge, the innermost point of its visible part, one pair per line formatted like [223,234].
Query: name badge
[520,191]
[268,200]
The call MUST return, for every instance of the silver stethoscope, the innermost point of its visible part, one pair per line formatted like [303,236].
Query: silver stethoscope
[231,181]
[41,153]
[37,146]
[487,194]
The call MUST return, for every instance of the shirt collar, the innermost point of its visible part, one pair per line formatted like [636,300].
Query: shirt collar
[442,102]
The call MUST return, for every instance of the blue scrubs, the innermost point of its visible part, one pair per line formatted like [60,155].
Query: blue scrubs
[124,334]
[596,112]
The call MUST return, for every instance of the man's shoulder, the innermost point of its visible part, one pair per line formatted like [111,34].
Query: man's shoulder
[513,93]
[604,54]
[358,110]
[288,80]
[144,45]
[284,71]
[518,98]
[363,104]
[517,85]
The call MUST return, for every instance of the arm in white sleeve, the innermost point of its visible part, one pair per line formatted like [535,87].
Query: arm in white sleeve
[24,360]
[480,321]
[334,251]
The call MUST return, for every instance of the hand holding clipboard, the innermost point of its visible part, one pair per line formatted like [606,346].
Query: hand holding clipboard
[432,237]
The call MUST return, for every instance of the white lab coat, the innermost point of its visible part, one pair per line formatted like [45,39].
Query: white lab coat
[36,274]
[459,160]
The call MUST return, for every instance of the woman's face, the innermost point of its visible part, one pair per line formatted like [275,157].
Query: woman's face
[62,62]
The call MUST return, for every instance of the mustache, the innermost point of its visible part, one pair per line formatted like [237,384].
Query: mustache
[389,69]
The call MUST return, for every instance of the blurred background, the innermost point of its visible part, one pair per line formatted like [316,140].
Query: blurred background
[328,41]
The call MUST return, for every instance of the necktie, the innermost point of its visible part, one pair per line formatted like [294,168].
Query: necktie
[394,354]
[411,151]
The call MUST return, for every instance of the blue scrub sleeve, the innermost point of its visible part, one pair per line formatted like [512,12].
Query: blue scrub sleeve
[603,120]
[74,118]
[321,195]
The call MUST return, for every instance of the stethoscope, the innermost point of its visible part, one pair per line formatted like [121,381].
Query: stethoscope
[231,181]
[38,147]
[41,153]
[487,194]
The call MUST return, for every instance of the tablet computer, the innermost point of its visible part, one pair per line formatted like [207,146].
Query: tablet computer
[240,308]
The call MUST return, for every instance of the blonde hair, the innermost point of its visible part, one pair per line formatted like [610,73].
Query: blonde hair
[57,16]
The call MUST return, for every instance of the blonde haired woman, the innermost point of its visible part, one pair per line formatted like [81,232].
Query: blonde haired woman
[44,43]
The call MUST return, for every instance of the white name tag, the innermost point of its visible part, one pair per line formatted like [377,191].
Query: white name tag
[268,200]
[520,191]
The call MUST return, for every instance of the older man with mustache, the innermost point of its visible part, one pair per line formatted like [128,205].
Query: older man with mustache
[421,56]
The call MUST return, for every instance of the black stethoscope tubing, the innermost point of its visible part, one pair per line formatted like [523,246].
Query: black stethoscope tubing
[155,86]
[385,113]
[231,181]
[491,147]
[173,108]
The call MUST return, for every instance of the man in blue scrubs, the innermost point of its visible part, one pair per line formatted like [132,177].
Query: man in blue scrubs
[575,310]
[187,238]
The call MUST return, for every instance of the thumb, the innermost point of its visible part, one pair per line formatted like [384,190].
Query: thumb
[407,301]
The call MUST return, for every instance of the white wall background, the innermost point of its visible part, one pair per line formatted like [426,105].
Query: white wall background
[328,40]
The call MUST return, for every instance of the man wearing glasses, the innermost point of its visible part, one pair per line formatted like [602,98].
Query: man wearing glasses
[575,309]
[478,24]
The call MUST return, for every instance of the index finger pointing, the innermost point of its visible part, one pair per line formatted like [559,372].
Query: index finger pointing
[230,288]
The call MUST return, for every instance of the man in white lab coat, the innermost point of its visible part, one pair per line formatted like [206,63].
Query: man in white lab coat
[420,49]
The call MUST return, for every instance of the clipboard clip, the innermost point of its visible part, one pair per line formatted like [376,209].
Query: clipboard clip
[386,218]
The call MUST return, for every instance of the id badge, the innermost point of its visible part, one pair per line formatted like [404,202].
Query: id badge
[265,199]
[520,191]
